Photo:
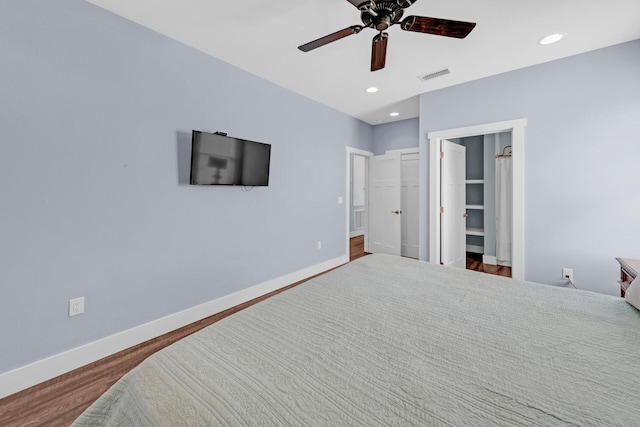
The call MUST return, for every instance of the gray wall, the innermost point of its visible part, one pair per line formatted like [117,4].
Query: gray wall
[96,117]
[396,135]
[581,157]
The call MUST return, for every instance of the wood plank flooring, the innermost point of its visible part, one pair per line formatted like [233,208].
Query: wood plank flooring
[356,248]
[59,401]
[474,262]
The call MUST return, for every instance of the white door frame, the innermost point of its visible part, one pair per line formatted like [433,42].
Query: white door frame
[516,127]
[350,151]
[414,150]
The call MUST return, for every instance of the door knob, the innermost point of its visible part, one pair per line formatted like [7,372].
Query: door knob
[396,212]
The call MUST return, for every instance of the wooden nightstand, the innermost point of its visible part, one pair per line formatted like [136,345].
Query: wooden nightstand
[629,269]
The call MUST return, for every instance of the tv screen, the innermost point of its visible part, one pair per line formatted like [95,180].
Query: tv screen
[217,159]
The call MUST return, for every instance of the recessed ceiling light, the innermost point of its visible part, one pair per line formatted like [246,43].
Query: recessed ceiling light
[552,38]
[372,89]
[394,114]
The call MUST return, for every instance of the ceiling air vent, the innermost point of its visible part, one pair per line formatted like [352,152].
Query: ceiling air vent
[434,74]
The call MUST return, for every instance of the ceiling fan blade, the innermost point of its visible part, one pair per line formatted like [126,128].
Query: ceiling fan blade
[439,27]
[354,29]
[379,51]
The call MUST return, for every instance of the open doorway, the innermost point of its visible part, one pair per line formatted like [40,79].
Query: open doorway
[516,130]
[372,226]
[487,203]
[357,202]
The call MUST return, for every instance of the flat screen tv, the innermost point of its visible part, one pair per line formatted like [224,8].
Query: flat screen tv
[217,159]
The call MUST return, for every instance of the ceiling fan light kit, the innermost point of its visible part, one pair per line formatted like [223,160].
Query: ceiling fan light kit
[380,15]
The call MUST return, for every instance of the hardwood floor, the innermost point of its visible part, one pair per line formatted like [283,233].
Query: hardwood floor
[474,262]
[356,248]
[59,401]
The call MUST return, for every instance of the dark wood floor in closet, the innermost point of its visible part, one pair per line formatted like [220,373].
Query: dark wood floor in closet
[474,262]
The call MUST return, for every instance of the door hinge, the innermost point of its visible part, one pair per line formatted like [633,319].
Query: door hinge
[441,209]
[442,154]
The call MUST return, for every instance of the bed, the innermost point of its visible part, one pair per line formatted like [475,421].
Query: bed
[389,341]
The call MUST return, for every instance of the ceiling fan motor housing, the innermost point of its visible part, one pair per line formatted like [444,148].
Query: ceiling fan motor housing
[406,3]
[383,14]
[363,5]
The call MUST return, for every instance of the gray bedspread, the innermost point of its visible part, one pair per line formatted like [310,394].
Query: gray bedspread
[388,341]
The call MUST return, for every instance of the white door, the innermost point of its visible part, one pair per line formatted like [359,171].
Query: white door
[453,213]
[384,234]
[410,204]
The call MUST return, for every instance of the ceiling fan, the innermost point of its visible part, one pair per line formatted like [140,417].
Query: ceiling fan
[380,15]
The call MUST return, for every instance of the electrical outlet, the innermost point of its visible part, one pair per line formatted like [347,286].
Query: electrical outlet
[567,274]
[319,244]
[76,306]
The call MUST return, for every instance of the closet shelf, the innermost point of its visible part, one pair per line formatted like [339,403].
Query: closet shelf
[474,181]
[475,206]
[475,232]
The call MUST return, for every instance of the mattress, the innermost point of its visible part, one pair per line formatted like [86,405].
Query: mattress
[390,341]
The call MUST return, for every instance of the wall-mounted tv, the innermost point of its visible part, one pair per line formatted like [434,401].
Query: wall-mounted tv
[218,159]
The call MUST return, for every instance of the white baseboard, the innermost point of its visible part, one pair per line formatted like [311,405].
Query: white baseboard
[35,373]
[356,233]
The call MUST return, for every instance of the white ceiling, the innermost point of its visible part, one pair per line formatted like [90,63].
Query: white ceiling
[261,37]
